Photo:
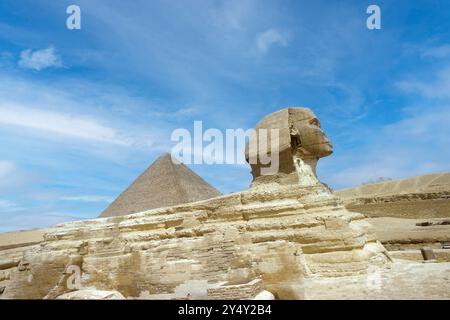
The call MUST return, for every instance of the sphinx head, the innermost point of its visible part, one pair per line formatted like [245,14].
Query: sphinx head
[301,142]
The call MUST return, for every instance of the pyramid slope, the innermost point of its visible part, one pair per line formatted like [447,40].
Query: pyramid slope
[162,184]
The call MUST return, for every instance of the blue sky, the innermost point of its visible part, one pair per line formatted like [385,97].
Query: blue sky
[83,112]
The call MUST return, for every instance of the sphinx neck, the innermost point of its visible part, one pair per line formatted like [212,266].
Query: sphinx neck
[305,168]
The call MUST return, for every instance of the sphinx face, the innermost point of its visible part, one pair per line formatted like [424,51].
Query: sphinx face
[312,139]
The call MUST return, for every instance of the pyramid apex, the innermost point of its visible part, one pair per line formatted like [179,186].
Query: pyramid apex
[166,157]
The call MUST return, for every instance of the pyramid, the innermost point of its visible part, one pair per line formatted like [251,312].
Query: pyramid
[163,184]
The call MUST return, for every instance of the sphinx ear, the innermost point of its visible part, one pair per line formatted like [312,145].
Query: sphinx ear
[295,141]
[295,138]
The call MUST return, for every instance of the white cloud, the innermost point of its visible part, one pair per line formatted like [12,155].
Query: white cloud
[421,126]
[233,14]
[442,51]
[9,206]
[86,111]
[432,90]
[177,114]
[59,123]
[439,87]
[39,59]
[12,177]
[6,168]
[269,38]
[87,198]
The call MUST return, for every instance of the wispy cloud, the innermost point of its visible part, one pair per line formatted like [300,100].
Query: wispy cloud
[26,221]
[436,87]
[233,14]
[12,177]
[87,198]
[83,111]
[6,168]
[9,206]
[441,51]
[59,124]
[177,114]
[269,38]
[39,59]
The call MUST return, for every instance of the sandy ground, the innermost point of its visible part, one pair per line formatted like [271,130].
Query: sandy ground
[436,182]
[393,232]
[420,209]
[387,229]
[398,281]
[21,238]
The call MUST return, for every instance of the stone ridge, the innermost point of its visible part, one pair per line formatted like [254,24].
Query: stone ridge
[279,235]
[163,184]
[430,183]
[425,196]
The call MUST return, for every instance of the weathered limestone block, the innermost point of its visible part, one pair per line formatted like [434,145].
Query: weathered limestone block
[427,253]
[235,291]
[91,294]
[264,295]
[4,275]
[37,274]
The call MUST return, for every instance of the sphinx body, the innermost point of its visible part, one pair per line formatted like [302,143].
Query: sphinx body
[286,228]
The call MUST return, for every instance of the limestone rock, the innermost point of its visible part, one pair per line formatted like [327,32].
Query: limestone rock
[264,295]
[409,234]
[91,294]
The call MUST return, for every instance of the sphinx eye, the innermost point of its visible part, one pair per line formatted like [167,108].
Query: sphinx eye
[315,122]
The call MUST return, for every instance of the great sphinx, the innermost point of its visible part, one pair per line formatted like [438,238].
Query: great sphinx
[301,143]
[288,227]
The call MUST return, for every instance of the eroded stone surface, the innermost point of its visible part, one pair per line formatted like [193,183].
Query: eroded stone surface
[278,235]
[91,294]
